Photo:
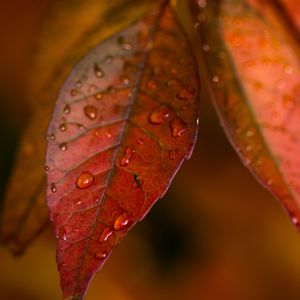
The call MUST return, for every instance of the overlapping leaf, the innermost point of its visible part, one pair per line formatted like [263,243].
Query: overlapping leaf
[254,69]
[125,120]
[66,26]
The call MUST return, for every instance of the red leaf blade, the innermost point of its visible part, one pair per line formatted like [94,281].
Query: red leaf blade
[125,120]
[253,64]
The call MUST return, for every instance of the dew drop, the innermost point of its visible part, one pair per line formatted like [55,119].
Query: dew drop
[46,168]
[249,133]
[101,255]
[215,79]
[201,3]
[159,115]
[52,136]
[108,59]
[53,188]
[197,25]
[98,96]
[122,222]
[63,127]
[123,44]
[63,146]
[288,102]
[140,141]
[98,71]
[106,234]
[186,93]
[177,126]
[205,48]
[73,92]
[108,134]
[90,111]
[128,152]
[67,109]
[85,180]
[78,84]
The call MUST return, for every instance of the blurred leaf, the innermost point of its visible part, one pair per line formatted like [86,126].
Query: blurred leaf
[69,30]
[125,120]
[253,68]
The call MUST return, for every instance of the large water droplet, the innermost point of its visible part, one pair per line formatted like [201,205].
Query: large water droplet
[186,93]
[123,44]
[128,152]
[91,112]
[101,255]
[67,109]
[106,234]
[63,146]
[123,221]
[53,188]
[85,180]
[98,71]
[177,126]
[63,127]
[159,115]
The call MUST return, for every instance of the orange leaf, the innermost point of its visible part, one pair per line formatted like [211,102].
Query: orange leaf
[125,120]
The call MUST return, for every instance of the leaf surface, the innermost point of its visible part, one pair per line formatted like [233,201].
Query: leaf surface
[24,211]
[125,120]
[254,73]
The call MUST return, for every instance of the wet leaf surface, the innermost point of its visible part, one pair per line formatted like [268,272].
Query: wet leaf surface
[125,120]
[254,72]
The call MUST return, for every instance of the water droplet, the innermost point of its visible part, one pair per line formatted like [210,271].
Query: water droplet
[108,59]
[201,3]
[215,79]
[101,255]
[197,25]
[288,102]
[98,96]
[85,180]
[78,84]
[249,133]
[67,109]
[62,233]
[186,93]
[108,134]
[159,115]
[63,146]
[123,221]
[46,168]
[152,84]
[124,45]
[52,136]
[205,48]
[128,152]
[53,188]
[106,234]
[140,141]
[91,112]
[98,71]
[177,126]
[172,154]
[63,127]
[73,92]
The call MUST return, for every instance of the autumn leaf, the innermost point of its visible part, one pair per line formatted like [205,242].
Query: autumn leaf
[125,120]
[253,66]
[24,212]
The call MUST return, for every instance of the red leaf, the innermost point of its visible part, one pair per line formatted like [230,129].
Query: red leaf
[125,120]
[253,63]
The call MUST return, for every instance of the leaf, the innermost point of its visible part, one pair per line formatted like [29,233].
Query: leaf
[254,72]
[24,212]
[125,120]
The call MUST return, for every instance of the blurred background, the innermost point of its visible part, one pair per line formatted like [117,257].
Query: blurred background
[215,235]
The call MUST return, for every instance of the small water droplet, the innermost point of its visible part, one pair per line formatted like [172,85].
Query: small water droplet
[140,141]
[62,233]
[186,93]
[177,126]
[67,109]
[91,112]
[123,44]
[205,48]
[128,153]
[215,79]
[108,134]
[97,199]
[98,96]
[46,168]
[78,84]
[108,59]
[123,221]
[52,136]
[85,180]
[249,133]
[197,25]
[63,127]
[159,115]
[106,234]
[98,71]
[101,255]
[73,92]
[63,146]
[288,102]
[53,188]
[201,3]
